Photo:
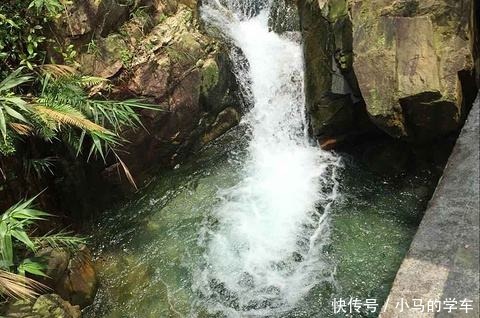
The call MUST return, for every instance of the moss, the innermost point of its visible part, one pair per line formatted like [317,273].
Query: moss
[375,105]
[210,75]
[336,9]
[127,57]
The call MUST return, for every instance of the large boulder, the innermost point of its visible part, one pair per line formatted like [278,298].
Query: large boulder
[410,61]
[188,74]
[410,58]
[84,17]
[70,274]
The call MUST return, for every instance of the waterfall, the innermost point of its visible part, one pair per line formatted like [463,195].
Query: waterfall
[265,252]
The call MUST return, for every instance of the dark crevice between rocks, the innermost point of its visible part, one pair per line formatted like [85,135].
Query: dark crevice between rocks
[335,107]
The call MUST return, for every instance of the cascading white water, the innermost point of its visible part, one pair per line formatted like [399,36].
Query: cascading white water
[264,254]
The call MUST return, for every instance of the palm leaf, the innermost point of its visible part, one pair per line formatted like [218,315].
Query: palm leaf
[21,129]
[126,171]
[3,125]
[60,239]
[18,286]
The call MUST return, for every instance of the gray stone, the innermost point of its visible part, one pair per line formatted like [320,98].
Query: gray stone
[443,260]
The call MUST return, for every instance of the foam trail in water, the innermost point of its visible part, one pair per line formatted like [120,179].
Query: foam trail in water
[264,253]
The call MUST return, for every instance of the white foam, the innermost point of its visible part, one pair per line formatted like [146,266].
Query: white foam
[264,255]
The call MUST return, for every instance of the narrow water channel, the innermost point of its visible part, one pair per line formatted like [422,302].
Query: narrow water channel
[262,223]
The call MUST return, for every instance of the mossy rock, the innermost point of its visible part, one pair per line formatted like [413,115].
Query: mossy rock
[45,306]
[409,54]
[210,75]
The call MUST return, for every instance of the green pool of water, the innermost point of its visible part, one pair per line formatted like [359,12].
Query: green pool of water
[148,249]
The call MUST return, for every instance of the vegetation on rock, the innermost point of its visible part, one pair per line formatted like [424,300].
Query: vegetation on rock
[18,243]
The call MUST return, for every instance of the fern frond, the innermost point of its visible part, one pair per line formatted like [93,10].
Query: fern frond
[57,70]
[69,116]
[89,81]
[60,239]
[21,129]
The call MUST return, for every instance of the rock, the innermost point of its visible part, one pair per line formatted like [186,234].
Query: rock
[151,78]
[186,72]
[86,16]
[112,14]
[330,84]
[45,306]
[78,284]
[411,61]
[328,144]
[107,58]
[219,85]
[72,276]
[53,306]
[80,18]
[227,119]
[56,260]
[409,58]
[162,54]
[210,74]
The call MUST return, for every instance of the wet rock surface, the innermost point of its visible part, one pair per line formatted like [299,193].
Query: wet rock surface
[160,53]
[45,306]
[332,95]
[70,274]
[409,56]
[284,16]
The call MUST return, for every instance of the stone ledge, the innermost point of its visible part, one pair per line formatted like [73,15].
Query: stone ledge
[443,260]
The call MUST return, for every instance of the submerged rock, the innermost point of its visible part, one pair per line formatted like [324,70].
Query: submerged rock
[45,306]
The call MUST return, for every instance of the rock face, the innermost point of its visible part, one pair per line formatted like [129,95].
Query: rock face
[159,52]
[412,61]
[410,57]
[332,96]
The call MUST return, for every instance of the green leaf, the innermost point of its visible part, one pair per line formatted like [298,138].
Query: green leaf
[30,48]
[23,237]
[14,79]
[30,214]
[6,248]
[3,126]
[32,267]
[12,112]
[15,100]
